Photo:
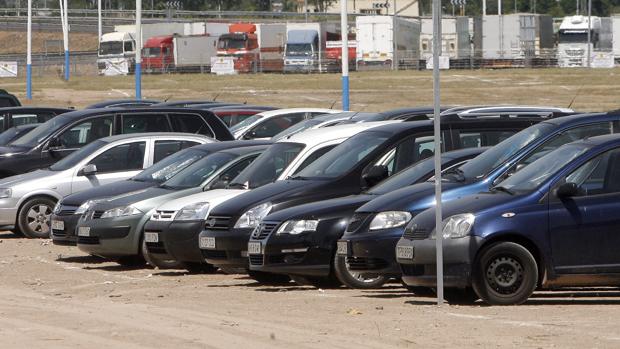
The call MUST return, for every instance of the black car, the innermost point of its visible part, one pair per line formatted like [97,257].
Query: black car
[15,132]
[123,103]
[18,116]
[357,164]
[70,131]
[303,242]
[8,100]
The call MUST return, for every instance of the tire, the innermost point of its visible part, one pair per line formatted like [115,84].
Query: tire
[16,231]
[34,216]
[460,295]
[355,280]
[269,278]
[318,282]
[157,262]
[200,268]
[505,273]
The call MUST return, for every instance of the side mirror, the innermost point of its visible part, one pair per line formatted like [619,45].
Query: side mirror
[54,144]
[567,190]
[88,170]
[375,175]
[250,135]
[220,184]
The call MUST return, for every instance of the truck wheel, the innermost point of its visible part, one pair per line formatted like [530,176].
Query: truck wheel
[505,273]
[353,279]
[269,278]
[34,216]
[157,261]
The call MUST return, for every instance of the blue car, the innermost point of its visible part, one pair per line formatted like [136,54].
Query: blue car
[553,224]
[368,245]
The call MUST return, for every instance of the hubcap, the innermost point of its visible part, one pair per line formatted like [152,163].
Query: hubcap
[505,275]
[38,218]
[360,277]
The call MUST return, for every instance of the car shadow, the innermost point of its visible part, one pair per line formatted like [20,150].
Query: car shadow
[82,259]
[118,267]
[9,235]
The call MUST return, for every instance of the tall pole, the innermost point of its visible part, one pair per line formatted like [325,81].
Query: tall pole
[65,39]
[138,49]
[395,40]
[29,53]
[344,39]
[484,8]
[306,9]
[99,26]
[437,134]
[589,33]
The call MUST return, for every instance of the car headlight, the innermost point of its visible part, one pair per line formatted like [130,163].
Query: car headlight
[193,212]
[57,208]
[121,212]
[83,207]
[5,193]
[456,226]
[252,217]
[390,219]
[295,227]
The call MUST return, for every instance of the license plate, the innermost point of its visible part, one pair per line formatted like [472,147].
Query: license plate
[58,225]
[84,231]
[207,242]
[404,252]
[342,247]
[151,237]
[254,248]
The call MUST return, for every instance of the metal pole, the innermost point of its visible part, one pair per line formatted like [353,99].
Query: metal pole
[395,41]
[589,33]
[484,8]
[66,39]
[99,19]
[437,134]
[29,53]
[138,49]
[306,9]
[344,39]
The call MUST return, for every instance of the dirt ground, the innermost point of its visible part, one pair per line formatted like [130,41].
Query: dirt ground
[57,297]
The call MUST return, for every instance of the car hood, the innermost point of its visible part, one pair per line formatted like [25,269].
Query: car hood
[32,180]
[213,197]
[106,191]
[8,151]
[322,209]
[132,198]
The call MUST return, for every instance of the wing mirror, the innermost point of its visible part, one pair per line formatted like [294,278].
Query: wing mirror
[375,175]
[88,170]
[250,135]
[568,190]
[54,144]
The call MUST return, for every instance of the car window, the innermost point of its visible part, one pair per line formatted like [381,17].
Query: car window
[269,165]
[128,46]
[5,102]
[600,175]
[190,123]
[477,139]
[317,154]
[275,125]
[170,166]
[138,123]
[25,119]
[196,173]
[164,148]
[124,157]
[86,132]
[235,169]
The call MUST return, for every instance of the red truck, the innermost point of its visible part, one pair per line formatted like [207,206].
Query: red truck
[157,54]
[254,47]
[333,51]
[182,53]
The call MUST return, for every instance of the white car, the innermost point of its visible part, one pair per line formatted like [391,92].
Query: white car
[27,200]
[269,123]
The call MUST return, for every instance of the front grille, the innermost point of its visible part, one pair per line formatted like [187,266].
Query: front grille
[356,221]
[66,212]
[361,263]
[163,215]
[59,233]
[416,234]
[97,214]
[88,240]
[256,259]
[218,222]
[213,254]
[412,269]
[156,247]
[263,230]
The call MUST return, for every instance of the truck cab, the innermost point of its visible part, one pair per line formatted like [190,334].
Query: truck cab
[241,43]
[573,40]
[158,53]
[302,51]
[116,53]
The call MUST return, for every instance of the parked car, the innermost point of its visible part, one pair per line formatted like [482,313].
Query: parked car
[372,252]
[491,244]
[303,242]
[123,103]
[269,123]
[28,199]
[185,103]
[68,132]
[18,116]
[234,116]
[178,239]
[113,227]
[320,121]
[68,210]
[15,132]
[8,100]
[357,164]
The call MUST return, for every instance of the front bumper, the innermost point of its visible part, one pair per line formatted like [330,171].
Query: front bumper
[231,247]
[68,235]
[372,252]
[112,237]
[177,239]
[301,68]
[458,257]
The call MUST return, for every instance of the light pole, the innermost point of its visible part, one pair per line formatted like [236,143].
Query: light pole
[99,19]
[344,40]
[589,33]
[29,53]
[138,71]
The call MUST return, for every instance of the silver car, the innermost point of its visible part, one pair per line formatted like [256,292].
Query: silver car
[27,200]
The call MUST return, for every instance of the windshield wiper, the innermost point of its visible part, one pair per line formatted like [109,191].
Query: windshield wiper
[502,189]
[237,185]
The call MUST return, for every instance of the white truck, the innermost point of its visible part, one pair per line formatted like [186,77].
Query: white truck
[573,40]
[305,49]
[455,38]
[615,25]
[116,54]
[378,35]
[193,53]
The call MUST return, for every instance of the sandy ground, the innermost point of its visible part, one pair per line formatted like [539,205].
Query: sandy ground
[57,297]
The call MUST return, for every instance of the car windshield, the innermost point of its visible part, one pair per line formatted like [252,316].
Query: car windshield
[537,172]
[111,48]
[170,166]
[245,123]
[268,166]
[573,36]
[195,174]
[230,43]
[299,49]
[151,52]
[8,135]
[74,158]
[301,126]
[406,177]
[40,133]
[345,156]
[497,155]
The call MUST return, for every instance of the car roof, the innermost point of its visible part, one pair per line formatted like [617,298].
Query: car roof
[243,150]
[316,136]
[276,112]
[83,113]
[26,108]
[583,118]
[218,146]
[601,140]
[112,102]
[185,102]
[146,135]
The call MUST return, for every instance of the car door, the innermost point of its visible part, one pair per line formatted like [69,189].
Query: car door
[584,230]
[190,123]
[76,136]
[113,164]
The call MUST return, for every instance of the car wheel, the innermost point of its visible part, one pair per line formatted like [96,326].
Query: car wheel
[353,279]
[505,273]
[318,282]
[269,278]
[16,231]
[200,268]
[34,216]
[156,261]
